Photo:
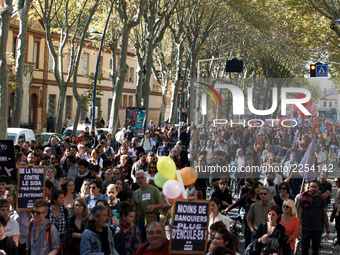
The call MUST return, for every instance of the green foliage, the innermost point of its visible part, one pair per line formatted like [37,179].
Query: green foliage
[87,95]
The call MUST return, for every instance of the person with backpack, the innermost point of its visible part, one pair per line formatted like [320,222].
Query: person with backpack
[147,143]
[58,214]
[43,236]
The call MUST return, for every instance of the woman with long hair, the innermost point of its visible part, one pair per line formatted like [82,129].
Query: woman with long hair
[223,238]
[76,225]
[96,159]
[121,191]
[126,234]
[49,188]
[51,172]
[215,214]
[67,186]
[291,224]
[270,231]
[283,195]
[151,171]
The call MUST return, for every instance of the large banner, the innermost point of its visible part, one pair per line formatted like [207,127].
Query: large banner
[189,228]
[136,118]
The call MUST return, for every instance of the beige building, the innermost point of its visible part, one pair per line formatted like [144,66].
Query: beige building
[41,91]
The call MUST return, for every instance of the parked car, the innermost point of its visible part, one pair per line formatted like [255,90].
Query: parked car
[45,138]
[20,133]
[80,127]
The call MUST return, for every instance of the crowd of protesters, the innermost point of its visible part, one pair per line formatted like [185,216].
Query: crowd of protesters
[100,195]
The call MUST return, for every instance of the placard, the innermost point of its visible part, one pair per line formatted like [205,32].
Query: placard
[189,228]
[7,159]
[31,186]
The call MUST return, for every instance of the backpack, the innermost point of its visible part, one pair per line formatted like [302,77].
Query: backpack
[48,237]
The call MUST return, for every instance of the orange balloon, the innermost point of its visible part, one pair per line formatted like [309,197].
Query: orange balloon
[189,175]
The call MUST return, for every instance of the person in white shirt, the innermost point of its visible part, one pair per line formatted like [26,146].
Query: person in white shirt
[215,214]
[12,227]
[321,159]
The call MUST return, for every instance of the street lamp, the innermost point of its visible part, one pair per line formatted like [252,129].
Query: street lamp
[185,73]
[97,67]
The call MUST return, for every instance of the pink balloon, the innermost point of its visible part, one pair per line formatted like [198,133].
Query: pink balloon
[171,189]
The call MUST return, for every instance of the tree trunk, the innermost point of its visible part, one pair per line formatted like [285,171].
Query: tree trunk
[4,27]
[20,62]
[139,83]
[60,111]
[118,90]
[176,84]
[163,104]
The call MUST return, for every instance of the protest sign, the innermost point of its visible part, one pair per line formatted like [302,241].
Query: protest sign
[7,159]
[31,186]
[189,228]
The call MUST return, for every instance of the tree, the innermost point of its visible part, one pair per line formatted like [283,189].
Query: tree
[23,9]
[130,15]
[62,19]
[4,28]
[76,55]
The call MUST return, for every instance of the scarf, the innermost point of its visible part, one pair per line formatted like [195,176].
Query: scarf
[124,225]
[82,176]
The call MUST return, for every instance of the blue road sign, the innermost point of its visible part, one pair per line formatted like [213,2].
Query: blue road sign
[321,71]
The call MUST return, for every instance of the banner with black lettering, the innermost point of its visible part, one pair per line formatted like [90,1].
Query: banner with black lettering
[31,186]
[189,228]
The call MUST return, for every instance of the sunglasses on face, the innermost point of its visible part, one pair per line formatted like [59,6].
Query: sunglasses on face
[265,194]
[37,212]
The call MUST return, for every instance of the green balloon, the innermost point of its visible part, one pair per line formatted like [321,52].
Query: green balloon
[159,180]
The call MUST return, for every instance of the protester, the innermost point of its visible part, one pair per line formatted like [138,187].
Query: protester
[215,214]
[12,226]
[291,224]
[156,241]
[312,217]
[98,237]
[38,241]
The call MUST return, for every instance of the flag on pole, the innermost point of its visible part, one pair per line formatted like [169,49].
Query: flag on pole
[309,169]
[322,127]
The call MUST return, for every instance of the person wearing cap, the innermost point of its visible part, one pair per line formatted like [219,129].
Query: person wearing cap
[164,150]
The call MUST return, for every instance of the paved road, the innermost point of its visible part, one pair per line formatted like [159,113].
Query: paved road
[328,247]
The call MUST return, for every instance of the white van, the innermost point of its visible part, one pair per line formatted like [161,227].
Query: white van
[20,133]
[80,127]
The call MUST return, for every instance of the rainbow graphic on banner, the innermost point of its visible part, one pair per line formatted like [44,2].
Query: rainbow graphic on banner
[209,93]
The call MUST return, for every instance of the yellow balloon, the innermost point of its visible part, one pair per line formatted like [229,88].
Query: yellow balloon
[166,167]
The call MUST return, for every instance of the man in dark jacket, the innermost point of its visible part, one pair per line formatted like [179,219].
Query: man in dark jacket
[83,173]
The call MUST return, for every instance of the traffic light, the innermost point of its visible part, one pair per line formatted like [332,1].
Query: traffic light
[312,69]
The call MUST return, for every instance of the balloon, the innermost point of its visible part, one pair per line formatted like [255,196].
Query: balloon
[159,180]
[171,189]
[189,175]
[173,200]
[166,167]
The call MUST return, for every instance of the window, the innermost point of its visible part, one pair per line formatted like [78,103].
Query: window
[101,65]
[325,104]
[127,74]
[83,110]
[335,105]
[109,105]
[121,102]
[68,61]
[51,105]
[111,70]
[85,64]
[36,49]
[130,101]
[68,107]
[131,74]
[125,101]
[330,104]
